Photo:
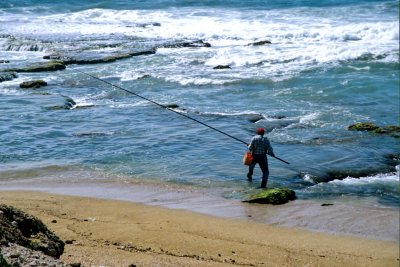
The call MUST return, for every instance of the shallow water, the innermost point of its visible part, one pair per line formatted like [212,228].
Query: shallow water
[330,64]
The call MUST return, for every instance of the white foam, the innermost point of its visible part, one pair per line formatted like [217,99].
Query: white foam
[184,80]
[308,178]
[380,178]
[324,38]
[132,75]
[233,113]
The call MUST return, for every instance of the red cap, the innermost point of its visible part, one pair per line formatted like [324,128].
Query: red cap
[260,131]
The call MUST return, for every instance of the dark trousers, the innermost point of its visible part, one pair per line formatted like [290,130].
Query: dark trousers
[262,161]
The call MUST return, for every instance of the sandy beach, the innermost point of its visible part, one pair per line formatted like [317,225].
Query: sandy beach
[102,232]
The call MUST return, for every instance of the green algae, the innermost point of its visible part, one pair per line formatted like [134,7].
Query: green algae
[274,196]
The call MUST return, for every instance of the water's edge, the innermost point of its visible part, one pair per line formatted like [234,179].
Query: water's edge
[336,218]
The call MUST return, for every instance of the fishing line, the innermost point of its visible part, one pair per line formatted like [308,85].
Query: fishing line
[172,110]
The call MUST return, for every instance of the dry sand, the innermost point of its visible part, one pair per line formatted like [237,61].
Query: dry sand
[119,233]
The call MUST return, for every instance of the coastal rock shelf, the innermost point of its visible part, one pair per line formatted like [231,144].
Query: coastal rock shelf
[39,67]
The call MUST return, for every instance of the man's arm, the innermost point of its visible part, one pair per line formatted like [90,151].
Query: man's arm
[251,146]
[270,150]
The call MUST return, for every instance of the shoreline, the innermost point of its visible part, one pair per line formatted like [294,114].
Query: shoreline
[337,218]
[119,233]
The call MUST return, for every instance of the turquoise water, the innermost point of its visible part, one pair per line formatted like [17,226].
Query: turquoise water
[330,64]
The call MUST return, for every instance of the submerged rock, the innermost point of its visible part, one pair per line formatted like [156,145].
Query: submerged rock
[256,117]
[94,134]
[388,130]
[4,61]
[274,196]
[47,66]
[26,230]
[221,67]
[69,104]
[264,42]
[370,127]
[144,25]
[363,126]
[278,117]
[95,59]
[172,106]
[7,76]
[198,43]
[33,84]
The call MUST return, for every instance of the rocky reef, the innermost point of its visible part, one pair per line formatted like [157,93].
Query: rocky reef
[274,196]
[370,127]
[84,59]
[26,241]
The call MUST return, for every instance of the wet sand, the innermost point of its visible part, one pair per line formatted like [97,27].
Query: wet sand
[339,218]
[119,233]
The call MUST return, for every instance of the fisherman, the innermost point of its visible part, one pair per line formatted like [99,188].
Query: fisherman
[259,147]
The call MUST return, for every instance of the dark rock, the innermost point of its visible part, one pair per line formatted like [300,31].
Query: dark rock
[144,25]
[30,232]
[16,255]
[94,134]
[387,130]
[326,204]
[77,264]
[275,196]
[69,242]
[260,43]
[3,262]
[69,104]
[278,117]
[57,57]
[363,126]
[392,159]
[33,84]
[370,127]
[256,117]
[172,106]
[47,66]
[220,67]
[84,60]
[199,43]
[7,76]
[4,61]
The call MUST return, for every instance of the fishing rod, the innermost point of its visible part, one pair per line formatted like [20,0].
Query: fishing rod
[170,109]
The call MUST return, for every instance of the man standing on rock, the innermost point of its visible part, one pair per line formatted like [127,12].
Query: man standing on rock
[259,147]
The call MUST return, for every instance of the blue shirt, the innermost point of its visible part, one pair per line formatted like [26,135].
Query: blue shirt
[260,145]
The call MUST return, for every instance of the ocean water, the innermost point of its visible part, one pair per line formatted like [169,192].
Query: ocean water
[330,64]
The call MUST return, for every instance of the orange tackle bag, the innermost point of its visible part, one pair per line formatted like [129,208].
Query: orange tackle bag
[248,158]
